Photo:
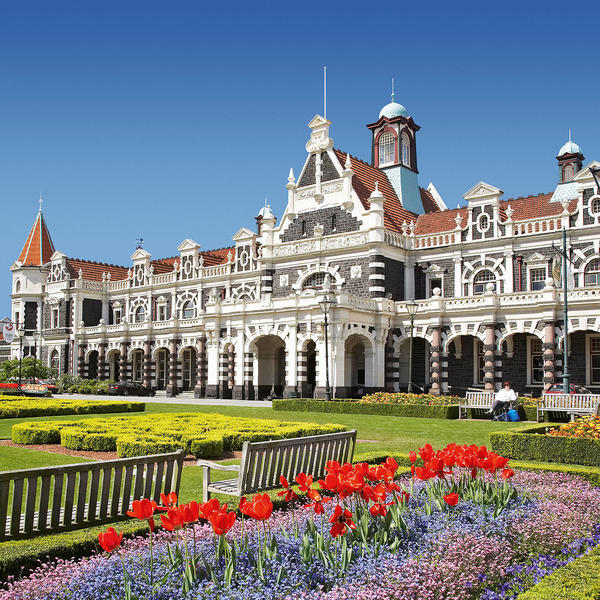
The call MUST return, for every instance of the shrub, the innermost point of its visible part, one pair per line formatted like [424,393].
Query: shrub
[354,407]
[204,435]
[575,581]
[15,407]
[531,443]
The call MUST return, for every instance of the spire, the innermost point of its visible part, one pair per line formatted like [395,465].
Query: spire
[393,95]
[38,247]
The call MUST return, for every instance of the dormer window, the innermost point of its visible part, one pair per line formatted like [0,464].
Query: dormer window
[568,172]
[387,149]
[405,145]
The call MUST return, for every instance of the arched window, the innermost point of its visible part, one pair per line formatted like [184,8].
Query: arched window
[18,286]
[405,144]
[481,280]
[187,310]
[316,280]
[140,314]
[595,207]
[592,273]
[387,149]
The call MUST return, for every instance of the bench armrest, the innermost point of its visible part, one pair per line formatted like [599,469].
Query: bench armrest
[216,465]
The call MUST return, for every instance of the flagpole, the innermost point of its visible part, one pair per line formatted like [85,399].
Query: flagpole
[565,375]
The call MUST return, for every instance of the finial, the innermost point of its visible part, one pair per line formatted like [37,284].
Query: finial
[376,186]
[139,243]
[393,95]
[40,201]
[291,177]
[348,163]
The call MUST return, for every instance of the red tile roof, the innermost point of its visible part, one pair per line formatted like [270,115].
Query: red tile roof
[39,247]
[429,203]
[442,220]
[363,183]
[93,270]
[217,257]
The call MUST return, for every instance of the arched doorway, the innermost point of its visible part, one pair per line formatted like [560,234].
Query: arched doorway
[93,365]
[227,371]
[113,365]
[356,373]
[55,362]
[189,368]
[162,368]
[466,362]
[310,354]
[270,356]
[420,364]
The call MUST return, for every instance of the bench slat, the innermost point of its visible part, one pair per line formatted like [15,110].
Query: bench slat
[126,502]
[69,498]
[139,482]
[4,488]
[32,483]
[42,519]
[105,493]
[160,468]
[169,476]
[114,503]
[93,500]
[82,496]
[15,515]
[149,481]
[56,500]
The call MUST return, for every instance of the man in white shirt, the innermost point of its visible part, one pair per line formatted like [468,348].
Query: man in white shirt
[503,398]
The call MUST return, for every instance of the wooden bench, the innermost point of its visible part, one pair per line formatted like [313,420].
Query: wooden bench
[572,404]
[263,463]
[55,499]
[479,399]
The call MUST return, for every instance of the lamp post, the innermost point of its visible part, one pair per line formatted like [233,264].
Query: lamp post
[326,303]
[37,336]
[411,308]
[21,330]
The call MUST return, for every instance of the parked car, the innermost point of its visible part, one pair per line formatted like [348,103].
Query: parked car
[557,388]
[129,388]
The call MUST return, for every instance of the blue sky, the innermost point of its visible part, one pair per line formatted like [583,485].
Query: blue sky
[170,120]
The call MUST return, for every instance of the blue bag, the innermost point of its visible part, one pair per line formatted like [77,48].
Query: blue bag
[513,415]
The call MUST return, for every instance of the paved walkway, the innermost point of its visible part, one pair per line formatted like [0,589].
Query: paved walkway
[176,400]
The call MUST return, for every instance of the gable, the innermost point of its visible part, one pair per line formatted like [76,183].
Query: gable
[328,171]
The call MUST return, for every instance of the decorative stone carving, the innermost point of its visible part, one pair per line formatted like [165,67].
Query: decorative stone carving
[284,280]
[355,272]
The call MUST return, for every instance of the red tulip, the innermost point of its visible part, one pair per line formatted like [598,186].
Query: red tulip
[412,456]
[110,540]
[426,453]
[209,507]
[142,509]
[173,520]
[168,500]
[317,501]
[304,481]
[191,512]
[342,520]
[331,483]
[451,499]
[221,521]
[378,509]
[391,465]
[507,473]
[260,508]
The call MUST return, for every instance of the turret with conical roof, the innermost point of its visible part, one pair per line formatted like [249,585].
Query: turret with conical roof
[38,248]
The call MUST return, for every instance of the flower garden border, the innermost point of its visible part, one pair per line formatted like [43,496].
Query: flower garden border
[529,443]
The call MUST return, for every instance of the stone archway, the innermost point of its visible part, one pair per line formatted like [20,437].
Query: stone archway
[466,361]
[358,372]
[270,372]
[112,359]
[419,367]
[92,365]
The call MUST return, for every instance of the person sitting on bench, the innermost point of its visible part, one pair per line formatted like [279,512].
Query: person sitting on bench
[503,398]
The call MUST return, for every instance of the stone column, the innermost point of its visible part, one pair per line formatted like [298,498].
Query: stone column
[291,362]
[81,360]
[147,363]
[102,360]
[376,276]
[488,355]
[200,389]
[435,361]
[549,347]
[301,373]
[392,367]
[212,353]
[238,391]
[123,374]
[249,376]
[172,385]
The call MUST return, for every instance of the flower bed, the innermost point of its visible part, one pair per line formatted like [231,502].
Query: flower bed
[13,407]
[537,443]
[584,427]
[204,436]
[356,407]
[461,528]
[412,399]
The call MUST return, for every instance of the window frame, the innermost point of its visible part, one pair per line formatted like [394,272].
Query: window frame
[589,354]
[139,311]
[137,366]
[530,282]
[531,355]
[54,318]
[478,362]
[386,148]
[405,149]
[596,273]
[188,307]
[474,281]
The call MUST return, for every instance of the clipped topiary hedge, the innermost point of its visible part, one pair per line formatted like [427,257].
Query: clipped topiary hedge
[205,436]
[578,580]
[531,443]
[14,408]
[363,408]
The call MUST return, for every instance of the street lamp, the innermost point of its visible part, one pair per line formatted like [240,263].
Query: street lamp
[326,303]
[21,331]
[411,307]
[37,336]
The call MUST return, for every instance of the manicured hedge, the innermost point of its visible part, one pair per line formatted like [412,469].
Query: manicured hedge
[579,580]
[361,408]
[205,436]
[14,408]
[530,443]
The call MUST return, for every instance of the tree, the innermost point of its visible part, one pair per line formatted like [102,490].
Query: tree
[30,367]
